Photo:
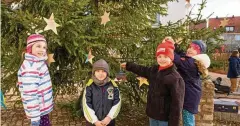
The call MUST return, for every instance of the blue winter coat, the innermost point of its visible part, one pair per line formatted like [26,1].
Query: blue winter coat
[188,70]
[234,67]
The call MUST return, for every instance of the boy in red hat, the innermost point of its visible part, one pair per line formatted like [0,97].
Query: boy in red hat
[166,87]
[191,64]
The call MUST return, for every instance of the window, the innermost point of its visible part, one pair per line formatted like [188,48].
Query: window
[229,28]
[237,37]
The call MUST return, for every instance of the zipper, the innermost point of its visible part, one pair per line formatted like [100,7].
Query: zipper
[102,100]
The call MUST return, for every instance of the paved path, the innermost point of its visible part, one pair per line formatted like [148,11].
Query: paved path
[226,82]
[62,117]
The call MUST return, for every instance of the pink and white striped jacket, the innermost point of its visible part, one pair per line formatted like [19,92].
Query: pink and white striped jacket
[35,87]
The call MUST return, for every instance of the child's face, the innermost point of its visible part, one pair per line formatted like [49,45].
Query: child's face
[238,55]
[191,52]
[163,60]
[100,74]
[39,49]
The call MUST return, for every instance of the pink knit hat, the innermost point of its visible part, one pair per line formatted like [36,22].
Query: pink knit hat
[32,39]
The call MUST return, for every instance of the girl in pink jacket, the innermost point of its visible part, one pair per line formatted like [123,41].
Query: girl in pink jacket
[34,82]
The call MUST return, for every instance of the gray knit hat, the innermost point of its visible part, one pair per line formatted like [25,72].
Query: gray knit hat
[100,65]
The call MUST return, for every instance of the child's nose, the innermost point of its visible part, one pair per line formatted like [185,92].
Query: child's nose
[43,49]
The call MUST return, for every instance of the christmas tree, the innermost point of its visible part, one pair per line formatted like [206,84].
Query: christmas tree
[128,36]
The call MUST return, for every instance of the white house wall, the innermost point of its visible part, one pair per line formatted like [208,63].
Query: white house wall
[176,11]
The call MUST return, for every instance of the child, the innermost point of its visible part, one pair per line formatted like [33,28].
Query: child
[166,87]
[234,70]
[34,82]
[190,72]
[101,97]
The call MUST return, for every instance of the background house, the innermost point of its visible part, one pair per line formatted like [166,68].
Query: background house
[232,30]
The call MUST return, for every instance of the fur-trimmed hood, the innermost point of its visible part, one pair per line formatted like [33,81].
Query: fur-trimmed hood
[203,62]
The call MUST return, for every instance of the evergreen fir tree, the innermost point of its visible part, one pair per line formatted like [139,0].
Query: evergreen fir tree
[120,40]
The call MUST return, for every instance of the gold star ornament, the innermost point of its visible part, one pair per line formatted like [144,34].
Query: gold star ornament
[224,22]
[51,24]
[142,81]
[89,57]
[50,59]
[105,18]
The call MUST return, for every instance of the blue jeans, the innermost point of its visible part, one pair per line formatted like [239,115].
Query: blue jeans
[154,122]
[188,118]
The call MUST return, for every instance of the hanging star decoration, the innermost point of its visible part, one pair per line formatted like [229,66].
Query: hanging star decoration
[3,100]
[51,24]
[142,81]
[89,57]
[105,18]
[224,22]
[50,59]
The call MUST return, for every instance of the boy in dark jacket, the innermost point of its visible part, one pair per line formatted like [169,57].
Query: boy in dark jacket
[187,67]
[101,98]
[166,87]
[234,70]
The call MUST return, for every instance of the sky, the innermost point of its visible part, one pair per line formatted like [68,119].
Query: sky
[221,8]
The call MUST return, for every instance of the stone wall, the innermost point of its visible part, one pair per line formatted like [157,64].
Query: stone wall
[206,106]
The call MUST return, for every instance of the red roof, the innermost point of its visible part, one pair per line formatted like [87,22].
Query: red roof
[232,21]
[214,23]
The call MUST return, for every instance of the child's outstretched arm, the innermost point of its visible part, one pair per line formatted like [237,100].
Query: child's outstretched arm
[177,93]
[140,70]
[29,88]
[88,111]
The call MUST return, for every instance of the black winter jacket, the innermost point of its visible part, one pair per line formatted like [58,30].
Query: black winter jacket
[165,93]
[101,101]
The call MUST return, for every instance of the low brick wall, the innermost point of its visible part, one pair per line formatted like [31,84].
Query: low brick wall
[206,106]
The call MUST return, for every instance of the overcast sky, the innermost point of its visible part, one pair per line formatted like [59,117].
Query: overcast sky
[221,8]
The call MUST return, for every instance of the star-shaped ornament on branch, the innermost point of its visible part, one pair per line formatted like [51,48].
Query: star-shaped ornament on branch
[224,22]
[50,59]
[3,103]
[89,57]
[105,18]
[142,81]
[51,24]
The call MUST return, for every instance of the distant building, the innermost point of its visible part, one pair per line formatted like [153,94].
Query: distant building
[232,30]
